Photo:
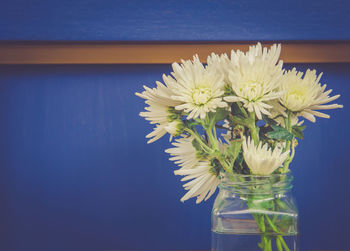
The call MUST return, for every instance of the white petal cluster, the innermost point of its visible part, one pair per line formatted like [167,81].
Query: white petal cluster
[221,64]
[183,154]
[305,95]
[202,180]
[254,76]
[159,102]
[260,159]
[198,89]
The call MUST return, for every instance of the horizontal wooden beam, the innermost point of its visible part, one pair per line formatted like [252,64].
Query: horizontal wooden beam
[158,52]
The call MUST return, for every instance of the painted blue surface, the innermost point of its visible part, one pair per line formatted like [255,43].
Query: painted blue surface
[160,20]
[76,172]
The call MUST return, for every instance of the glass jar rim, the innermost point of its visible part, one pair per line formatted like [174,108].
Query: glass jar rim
[246,183]
[287,174]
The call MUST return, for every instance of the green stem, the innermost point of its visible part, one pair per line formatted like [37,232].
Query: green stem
[253,129]
[289,160]
[288,125]
[212,139]
[273,226]
[239,104]
[284,244]
[278,244]
[214,130]
[263,221]
[200,140]
[268,242]
[287,147]
[265,244]
[224,164]
[259,219]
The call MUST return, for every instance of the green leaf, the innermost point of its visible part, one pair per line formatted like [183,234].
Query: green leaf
[298,131]
[234,149]
[280,133]
[221,114]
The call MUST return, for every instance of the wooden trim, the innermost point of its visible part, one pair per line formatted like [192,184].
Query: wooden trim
[158,52]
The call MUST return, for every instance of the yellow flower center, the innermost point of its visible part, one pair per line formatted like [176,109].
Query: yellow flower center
[295,98]
[251,90]
[201,95]
[254,86]
[254,89]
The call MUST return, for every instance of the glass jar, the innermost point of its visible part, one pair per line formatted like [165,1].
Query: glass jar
[255,213]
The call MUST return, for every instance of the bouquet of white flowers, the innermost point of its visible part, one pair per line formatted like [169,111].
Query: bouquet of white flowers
[235,115]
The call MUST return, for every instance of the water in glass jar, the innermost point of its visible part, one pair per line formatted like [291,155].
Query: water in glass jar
[249,242]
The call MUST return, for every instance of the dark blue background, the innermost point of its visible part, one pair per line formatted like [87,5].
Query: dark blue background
[160,20]
[76,172]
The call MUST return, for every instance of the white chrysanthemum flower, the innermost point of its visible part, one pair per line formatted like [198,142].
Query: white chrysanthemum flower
[260,159]
[221,64]
[183,154]
[197,88]
[254,77]
[305,94]
[158,112]
[203,180]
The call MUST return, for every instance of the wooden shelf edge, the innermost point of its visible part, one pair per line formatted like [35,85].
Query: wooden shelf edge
[159,53]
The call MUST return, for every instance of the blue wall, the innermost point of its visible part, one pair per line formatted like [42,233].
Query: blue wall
[136,20]
[76,172]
